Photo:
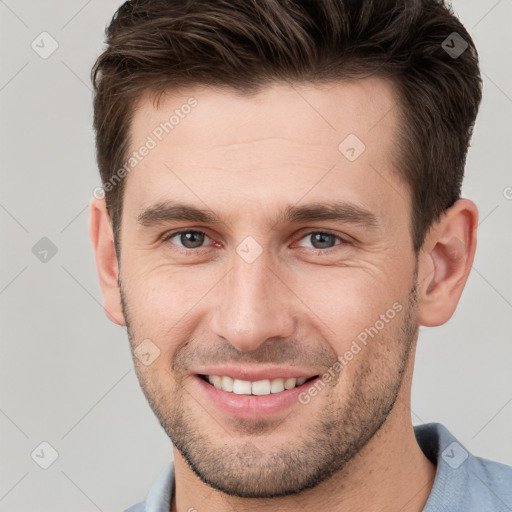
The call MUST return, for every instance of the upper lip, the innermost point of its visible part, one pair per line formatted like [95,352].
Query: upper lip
[254,374]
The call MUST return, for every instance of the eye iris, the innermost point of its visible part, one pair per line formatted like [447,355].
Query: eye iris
[324,240]
[192,239]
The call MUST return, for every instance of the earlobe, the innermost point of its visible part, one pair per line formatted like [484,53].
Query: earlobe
[445,263]
[100,233]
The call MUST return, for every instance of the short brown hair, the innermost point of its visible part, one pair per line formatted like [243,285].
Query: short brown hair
[157,45]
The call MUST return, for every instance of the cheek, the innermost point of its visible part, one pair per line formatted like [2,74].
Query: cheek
[339,305]
[347,303]
[164,304]
[164,291]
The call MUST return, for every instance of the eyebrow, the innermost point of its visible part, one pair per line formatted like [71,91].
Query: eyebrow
[341,211]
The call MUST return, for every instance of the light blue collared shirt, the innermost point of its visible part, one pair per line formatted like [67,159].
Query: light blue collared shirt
[463,482]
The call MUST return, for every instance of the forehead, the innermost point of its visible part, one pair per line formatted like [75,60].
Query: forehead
[295,111]
[282,144]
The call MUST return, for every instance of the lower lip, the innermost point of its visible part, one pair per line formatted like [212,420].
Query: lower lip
[252,406]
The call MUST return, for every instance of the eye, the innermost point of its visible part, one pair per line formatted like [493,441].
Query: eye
[322,240]
[193,239]
[187,239]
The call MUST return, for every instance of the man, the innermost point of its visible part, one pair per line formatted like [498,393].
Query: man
[282,212]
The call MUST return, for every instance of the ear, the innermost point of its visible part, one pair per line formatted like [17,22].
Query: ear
[102,239]
[445,262]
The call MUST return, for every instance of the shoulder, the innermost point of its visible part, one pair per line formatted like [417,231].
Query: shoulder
[490,480]
[463,481]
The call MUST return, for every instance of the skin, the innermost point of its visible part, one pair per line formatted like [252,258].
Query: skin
[352,447]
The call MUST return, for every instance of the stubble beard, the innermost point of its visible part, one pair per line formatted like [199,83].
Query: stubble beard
[239,465]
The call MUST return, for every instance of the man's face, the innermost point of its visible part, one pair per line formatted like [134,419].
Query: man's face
[260,295]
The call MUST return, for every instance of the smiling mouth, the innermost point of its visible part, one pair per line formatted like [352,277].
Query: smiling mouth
[258,388]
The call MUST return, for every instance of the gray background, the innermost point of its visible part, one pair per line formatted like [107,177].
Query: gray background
[66,372]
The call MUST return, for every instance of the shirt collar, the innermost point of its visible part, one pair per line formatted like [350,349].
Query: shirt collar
[160,495]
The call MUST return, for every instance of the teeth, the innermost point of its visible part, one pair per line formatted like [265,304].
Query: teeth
[216,381]
[277,385]
[290,383]
[241,387]
[260,387]
[227,383]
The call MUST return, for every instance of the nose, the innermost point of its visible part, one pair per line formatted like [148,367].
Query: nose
[254,305]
